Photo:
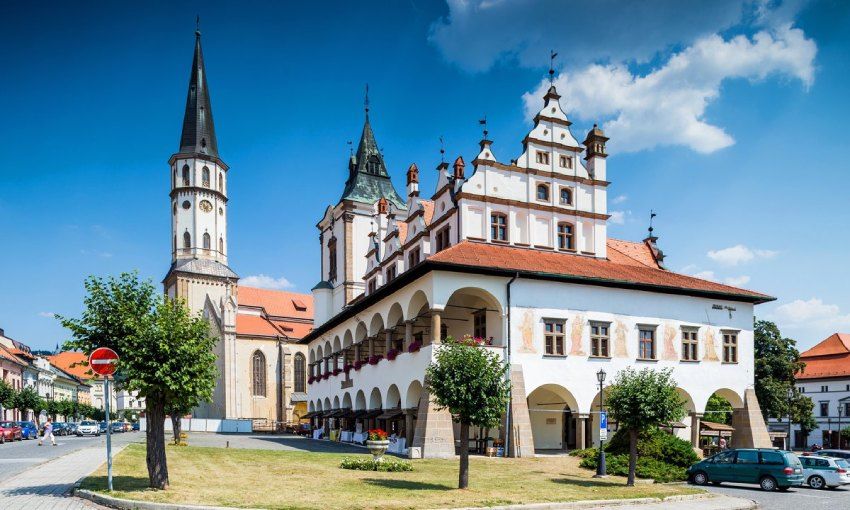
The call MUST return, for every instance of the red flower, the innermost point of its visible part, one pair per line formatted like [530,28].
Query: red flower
[377,435]
[391,354]
[413,347]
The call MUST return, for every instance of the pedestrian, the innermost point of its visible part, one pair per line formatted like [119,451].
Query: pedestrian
[722,443]
[48,433]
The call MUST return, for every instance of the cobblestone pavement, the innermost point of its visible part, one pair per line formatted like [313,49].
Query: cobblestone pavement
[47,486]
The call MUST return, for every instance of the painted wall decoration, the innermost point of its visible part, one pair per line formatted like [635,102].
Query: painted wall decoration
[527,329]
[621,349]
[709,349]
[576,336]
[670,353]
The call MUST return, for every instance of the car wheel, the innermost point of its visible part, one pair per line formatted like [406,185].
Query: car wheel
[700,478]
[767,483]
[817,482]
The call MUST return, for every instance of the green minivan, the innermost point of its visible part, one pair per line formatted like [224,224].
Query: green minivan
[771,469]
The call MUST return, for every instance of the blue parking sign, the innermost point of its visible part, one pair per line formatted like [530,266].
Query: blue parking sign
[603,425]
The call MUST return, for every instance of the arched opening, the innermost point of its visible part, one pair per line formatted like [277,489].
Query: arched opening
[419,316]
[336,402]
[186,175]
[473,312]
[346,401]
[258,374]
[206,241]
[360,401]
[555,420]
[205,177]
[187,240]
[299,372]
[221,245]
[414,392]
[717,426]
[220,182]
[393,400]
[543,192]
[375,399]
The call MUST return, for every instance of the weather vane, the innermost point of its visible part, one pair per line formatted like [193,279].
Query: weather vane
[442,150]
[350,148]
[483,122]
[366,99]
[552,56]
[651,216]
[198,24]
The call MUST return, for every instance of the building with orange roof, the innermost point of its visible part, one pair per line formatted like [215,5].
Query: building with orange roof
[515,256]
[826,380]
[12,370]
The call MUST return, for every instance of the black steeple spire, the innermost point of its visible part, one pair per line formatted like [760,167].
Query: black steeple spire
[198,135]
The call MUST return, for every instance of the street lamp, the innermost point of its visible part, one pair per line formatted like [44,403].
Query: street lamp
[790,396]
[840,412]
[600,467]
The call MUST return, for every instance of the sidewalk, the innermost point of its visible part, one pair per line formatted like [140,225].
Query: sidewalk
[47,486]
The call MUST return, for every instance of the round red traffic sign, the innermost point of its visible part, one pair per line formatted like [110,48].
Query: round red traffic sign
[102,361]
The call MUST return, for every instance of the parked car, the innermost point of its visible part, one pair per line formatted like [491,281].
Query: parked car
[72,429]
[60,428]
[117,426]
[825,472]
[770,469]
[841,454]
[29,430]
[88,428]
[11,431]
[135,427]
[102,427]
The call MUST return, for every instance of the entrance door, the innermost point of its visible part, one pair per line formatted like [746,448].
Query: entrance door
[569,432]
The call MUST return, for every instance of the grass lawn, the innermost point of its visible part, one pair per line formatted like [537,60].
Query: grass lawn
[304,480]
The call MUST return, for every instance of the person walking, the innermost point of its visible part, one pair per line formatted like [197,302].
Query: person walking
[48,433]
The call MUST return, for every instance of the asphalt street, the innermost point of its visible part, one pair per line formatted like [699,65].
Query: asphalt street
[18,456]
[800,498]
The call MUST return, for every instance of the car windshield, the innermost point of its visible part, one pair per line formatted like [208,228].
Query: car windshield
[842,463]
[7,424]
[88,423]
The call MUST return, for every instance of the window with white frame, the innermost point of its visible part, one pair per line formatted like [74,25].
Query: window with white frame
[554,337]
[730,346]
[498,227]
[646,342]
[599,339]
[566,196]
[543,157]
[690,344]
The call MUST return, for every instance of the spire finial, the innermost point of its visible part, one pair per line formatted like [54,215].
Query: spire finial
[442,150]
[552,56]
[652,215]
[483,122]
[350,149]
[366,100]
[198,25]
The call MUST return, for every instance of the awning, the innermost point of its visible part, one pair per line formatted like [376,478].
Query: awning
[347,413]
[311,414]
[359,414]
[328,412]
[674,425]
[338,413]
[389,414]
[298,396]
[716,427]
[374,413]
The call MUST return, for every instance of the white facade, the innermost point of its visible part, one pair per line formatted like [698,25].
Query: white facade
[831,398]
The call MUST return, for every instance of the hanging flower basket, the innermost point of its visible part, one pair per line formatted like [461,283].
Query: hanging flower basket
[373,360]
[415,346]
[391,354]
[337,371]
[358,365]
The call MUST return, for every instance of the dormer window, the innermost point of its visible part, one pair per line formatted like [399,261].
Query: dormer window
[498,227]
[566,162]
[372,285]
[566,197]
[543,192]
[372,165]
[391,272]
[543,157]
[565,236]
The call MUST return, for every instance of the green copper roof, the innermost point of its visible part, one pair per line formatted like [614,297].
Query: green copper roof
[368,179]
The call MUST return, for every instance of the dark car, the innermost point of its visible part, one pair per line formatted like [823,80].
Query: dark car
[102,427]
[11,431]
[135,427]
[60,428]
[770,469]
[117,426]
[28,429]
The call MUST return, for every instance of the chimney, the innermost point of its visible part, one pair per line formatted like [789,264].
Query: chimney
[413,180]
[458,167]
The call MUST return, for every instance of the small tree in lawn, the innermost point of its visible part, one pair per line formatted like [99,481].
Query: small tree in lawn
[643,400]
[165,352]
[27,399]
[470,382]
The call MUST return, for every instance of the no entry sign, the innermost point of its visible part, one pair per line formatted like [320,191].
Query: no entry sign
[102,361]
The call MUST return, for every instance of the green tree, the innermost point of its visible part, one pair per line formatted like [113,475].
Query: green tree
[777,362]
[642,400]
[718,410]
[166,353]
[7,395]
[27,399]
[471,383]
[802,413]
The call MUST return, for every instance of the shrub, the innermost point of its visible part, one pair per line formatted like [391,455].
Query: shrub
[367,464]
[655,444]
[647,467]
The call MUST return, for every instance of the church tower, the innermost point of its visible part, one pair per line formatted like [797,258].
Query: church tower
[198,202]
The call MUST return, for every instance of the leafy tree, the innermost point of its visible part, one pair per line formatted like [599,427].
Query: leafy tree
[471,383]
[27,399]
[718,410]
[802,413]
[7,395]
[642,400]
[165,352]
[777,361]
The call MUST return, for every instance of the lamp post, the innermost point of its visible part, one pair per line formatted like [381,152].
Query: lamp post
[600,466]
[790,396]
[840,412]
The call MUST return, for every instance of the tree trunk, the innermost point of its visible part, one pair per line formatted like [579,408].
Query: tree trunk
[463,476]
[157,467]
[633,438]
[175,427]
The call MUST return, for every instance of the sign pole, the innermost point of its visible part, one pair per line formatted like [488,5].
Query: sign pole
[107,398]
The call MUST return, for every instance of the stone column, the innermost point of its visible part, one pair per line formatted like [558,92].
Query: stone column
[436,326]
[434,436]
[389,333]
[408,428]
[371,341]
[522,440]
[696,418]
[408,334]
[356,352]
[750,429]
[581,431]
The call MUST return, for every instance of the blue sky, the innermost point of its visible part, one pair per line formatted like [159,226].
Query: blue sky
[728,118]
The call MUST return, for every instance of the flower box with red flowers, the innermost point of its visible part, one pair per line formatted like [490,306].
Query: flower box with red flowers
[392,354]
[347,368]
[358,365]
[326,375]
[415,346]
[311,380]
[373,360]
[337,371]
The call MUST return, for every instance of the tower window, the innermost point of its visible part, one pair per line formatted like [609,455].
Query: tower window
[498,227]
[542,192]
[258,374]
[299,372]
[185,175]
[372,165]
[206,241]
[543,157]
[414,257]
[187,240]
[174,245]
[442,240]
[565,236]
[332,260]
[205,177]
[566,162]
[566,197]
[221,245]
[220,182]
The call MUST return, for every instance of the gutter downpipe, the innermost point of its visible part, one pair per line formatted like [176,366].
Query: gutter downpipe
[508,424]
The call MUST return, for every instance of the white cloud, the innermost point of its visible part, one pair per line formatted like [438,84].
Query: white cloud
[738,254]
[47,314]
[619,199]
[266,282]
[736,281]
[667,105]
[706,275]
[617,217]
[812,312]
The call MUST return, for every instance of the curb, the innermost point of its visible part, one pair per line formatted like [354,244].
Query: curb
[129,504]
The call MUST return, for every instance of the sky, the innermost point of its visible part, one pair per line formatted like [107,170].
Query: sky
[726,118]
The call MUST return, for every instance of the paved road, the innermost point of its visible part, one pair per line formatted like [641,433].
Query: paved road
[18,456]
[800,498]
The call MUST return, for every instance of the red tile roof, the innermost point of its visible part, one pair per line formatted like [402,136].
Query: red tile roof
[510,258]
[631,253]
[829,358]
[277,302]
[9,355]
[73,362]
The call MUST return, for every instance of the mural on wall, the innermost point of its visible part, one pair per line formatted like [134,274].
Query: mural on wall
[670,353]
[527,329]
[709,350]
[576,336]
[620,348]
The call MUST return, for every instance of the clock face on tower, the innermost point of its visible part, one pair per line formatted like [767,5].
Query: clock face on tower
[205,206]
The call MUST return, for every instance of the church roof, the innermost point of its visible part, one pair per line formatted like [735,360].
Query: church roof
[829,358]
[281,313]
[203,267]
[198,136]
[368,179]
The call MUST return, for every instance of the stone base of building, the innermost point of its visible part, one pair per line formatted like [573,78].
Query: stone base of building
[750,429]
[434,437]
[521,443]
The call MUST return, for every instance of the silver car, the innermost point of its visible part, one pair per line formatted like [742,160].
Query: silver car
[88,428]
